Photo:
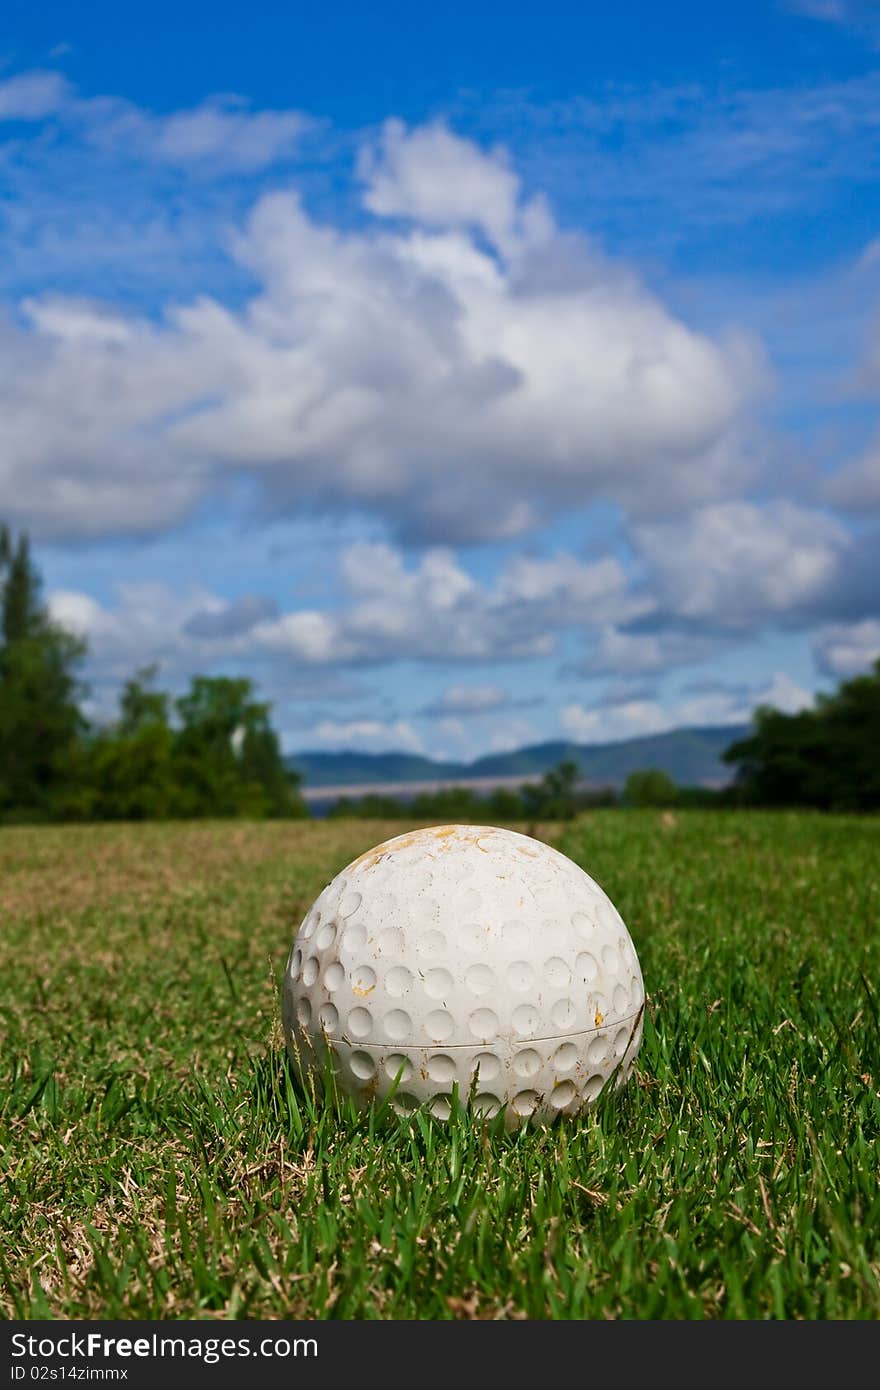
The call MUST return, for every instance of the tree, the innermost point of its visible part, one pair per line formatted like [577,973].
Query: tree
[505,804]
[227,756]
[447,805]
[40,718]
[22,616]
[555,796]
[140,707]
[650,787]
[827,757]
[127,770]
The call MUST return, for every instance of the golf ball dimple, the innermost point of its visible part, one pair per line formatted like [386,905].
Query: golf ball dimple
[465,960]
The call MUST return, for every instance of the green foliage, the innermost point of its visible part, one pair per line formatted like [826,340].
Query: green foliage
[22,616]
[140,707]
[226,754]
[448,806]
[827,757]
[504,804]
[221,759]
[556,797]
[705,798]
[650,787]
[559,797]
[39,712]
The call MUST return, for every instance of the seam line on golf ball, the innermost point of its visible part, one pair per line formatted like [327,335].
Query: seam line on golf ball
[451,1047]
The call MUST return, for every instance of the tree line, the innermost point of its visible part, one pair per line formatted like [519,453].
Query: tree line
[558,795]
[213,751]
[827,757]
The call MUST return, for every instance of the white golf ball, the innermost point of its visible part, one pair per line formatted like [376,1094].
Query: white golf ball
[465,960]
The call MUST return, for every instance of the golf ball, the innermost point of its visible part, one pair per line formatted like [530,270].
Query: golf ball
[468,961]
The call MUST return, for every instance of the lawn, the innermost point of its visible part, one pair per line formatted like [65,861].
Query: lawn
[157,1162]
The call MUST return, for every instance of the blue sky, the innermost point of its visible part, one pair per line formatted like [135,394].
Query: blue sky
[466,381]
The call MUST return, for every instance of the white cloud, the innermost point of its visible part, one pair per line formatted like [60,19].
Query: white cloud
[435,611]
[408,374]
[463,700]
[636,718]
[639,653]
[732,562]
[434,178]
[590,590]
[188,631]
[78,320]
[84,397]
[512,733]
[784,694]
[308,636]
[848,649]
[78,613]
[606,724]
[431,611]
[147,624]
[220,135]
[428,610]
[365,735]
[31,96]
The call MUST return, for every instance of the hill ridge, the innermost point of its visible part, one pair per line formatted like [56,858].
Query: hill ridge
[691,756]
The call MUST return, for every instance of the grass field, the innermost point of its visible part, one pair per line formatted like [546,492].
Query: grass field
[155,1161]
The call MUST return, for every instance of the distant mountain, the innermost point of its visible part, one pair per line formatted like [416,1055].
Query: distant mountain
[691,757]
[356,769]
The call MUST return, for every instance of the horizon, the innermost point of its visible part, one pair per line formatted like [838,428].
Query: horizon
[466,384]
[521,748]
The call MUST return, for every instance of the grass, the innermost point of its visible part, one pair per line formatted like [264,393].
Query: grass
[157,1162]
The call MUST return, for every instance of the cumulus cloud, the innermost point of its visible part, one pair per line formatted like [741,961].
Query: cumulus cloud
[435,611]
[81,399]
[148,624]
[430,610]
[187,631]
[453,388]
[782,693]
[637,717]
[731,563]
[434,178]
[606,724]
[621,653]
[847,649]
